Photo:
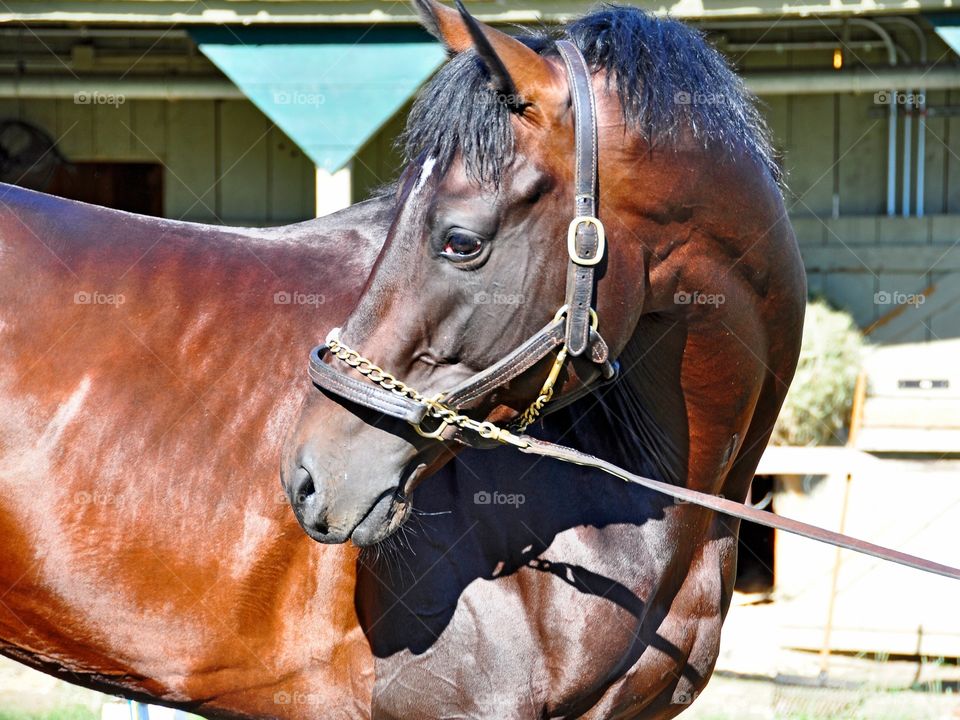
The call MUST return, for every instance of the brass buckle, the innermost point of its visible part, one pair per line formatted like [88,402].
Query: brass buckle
[572,240]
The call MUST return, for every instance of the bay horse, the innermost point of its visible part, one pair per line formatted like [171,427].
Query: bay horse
[149,370]
[571,596]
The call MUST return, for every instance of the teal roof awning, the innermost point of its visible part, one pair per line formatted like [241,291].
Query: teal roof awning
[947,26]
[329,89]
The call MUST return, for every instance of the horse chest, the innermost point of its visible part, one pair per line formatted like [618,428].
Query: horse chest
[549,639]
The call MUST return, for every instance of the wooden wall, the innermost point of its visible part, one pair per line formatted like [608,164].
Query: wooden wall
[837,145]
[223,160]
[379,161]
[834,150]
[834,154]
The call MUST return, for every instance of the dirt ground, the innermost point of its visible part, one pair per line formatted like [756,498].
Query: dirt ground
[755,679]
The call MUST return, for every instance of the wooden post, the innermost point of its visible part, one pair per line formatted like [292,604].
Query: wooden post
[856,419]
[333,189]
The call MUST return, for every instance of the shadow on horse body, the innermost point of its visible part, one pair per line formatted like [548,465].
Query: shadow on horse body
[150,369]
[529,590]
[524,587]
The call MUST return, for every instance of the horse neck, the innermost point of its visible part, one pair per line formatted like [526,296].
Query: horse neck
[639,422]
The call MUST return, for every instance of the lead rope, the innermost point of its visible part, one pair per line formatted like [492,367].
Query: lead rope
[490,431]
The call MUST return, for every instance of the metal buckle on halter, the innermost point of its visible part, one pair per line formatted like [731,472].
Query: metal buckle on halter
[572,240]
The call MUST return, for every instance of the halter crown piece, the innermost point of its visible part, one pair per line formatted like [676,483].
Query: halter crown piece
[571,333]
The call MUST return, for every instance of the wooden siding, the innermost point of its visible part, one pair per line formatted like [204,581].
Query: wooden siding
[379,160]
[224,161]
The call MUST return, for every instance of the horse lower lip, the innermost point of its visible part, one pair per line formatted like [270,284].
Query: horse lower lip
[368,530]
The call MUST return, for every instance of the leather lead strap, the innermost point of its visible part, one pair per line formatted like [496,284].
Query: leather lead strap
[739,510]
[586,242]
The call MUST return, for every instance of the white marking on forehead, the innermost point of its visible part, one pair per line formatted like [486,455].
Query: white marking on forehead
[425,170]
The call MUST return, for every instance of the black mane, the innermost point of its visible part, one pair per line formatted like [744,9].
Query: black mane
[669,79]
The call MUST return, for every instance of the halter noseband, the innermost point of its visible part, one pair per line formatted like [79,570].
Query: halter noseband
[572,332]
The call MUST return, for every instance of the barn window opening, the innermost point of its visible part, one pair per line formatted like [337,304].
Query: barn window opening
[131,186]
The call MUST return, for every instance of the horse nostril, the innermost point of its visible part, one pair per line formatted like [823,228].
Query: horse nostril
[303,487]
[307,503]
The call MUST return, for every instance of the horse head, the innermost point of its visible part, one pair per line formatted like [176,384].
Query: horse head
[521,151]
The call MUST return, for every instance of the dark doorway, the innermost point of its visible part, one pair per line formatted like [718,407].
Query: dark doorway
[755,551]
[134,187]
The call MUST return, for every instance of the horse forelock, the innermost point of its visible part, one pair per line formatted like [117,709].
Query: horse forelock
[671,84]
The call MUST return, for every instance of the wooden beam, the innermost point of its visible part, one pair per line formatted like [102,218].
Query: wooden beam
[95,90]
[814,460]
[909,258]
[268,12]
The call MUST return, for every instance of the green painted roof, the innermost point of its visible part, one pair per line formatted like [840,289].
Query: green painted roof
[328,88]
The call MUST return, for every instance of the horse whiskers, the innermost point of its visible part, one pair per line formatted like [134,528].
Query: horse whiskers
[382,555]
[368,556]
[423,526]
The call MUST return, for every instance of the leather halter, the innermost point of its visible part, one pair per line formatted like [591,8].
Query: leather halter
[572,332]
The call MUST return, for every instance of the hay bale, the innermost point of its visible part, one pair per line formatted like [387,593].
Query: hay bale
[817,408]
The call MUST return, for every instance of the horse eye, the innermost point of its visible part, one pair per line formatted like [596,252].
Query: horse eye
[461,245]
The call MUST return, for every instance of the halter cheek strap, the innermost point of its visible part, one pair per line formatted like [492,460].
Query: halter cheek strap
[572,332]
[585,237]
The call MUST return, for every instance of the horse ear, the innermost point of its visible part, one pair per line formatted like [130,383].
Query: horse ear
[517,73]
[445,24]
